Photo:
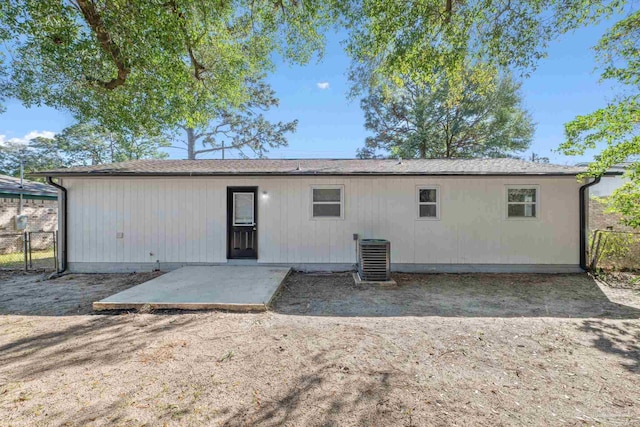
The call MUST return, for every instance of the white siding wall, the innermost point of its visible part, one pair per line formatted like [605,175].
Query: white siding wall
[184,220]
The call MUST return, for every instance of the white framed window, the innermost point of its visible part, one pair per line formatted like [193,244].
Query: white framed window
[327,201]
[523,201]
[428,198]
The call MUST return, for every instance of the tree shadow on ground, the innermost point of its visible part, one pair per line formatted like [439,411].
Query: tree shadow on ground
[619,339]
[89,355]
[32,294]
[451,295]
[314,399]
[100,339]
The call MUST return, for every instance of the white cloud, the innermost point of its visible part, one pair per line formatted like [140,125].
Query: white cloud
[323,85]
[36,133]
[26,138]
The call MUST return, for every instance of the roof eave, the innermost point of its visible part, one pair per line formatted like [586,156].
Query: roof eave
[28,194]
[69,174]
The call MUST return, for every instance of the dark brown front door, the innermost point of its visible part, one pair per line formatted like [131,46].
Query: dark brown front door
[242,222]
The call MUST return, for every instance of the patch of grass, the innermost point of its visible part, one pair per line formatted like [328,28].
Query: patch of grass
[619,279]
[226,357]
[175,412]
[12,260]
[37,410]
[16,259]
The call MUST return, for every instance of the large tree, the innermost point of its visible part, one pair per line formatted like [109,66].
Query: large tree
[615,128]
[91,144]
[393,39]
[425,120]
[39,154]
[81,144]
[242,129]
[155,63]
[129,64]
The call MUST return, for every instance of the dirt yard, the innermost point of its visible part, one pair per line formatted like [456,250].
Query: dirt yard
[486,350]
[32,294]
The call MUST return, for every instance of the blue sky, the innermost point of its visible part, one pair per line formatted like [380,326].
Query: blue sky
[564,85]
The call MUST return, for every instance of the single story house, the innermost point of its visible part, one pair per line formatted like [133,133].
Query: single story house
[450,215]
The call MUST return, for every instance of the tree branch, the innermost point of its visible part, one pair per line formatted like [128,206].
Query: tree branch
[448,10]
[227,147]
[93,18]
[198,68]
[208,150]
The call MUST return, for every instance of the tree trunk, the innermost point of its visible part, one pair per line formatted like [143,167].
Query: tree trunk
[423,150]
[111,147]
[191,143]
[447,144]
[447,139]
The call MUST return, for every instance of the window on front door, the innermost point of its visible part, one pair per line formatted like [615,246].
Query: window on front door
[243,213]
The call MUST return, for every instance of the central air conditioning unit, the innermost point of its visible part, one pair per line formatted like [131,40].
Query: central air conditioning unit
[374,260]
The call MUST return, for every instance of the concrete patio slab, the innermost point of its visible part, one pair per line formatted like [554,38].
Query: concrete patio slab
[235,288]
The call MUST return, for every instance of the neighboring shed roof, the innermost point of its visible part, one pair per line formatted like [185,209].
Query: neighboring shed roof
[318,167]
[619,167]
[10,186]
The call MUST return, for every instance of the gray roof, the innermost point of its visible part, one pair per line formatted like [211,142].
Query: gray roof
[318,167]
[11,185]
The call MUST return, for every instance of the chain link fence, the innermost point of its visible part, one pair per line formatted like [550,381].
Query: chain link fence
[42,250]
[12,251]
[34,250]
[614,250]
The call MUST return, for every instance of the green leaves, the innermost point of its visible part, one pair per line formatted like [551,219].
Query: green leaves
[151,64]
[90,144]
[81,144]
[618,52]
[626,201]
[42,155]
[613,125]
[469,118]
[394,39]
[614,128]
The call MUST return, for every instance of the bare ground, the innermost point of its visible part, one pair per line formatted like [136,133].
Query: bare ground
[439,350]
[33,294]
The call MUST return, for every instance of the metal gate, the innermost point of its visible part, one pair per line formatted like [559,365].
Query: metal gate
[32,250]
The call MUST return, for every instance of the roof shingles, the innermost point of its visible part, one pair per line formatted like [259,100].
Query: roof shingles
[319,167]
[11,185]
